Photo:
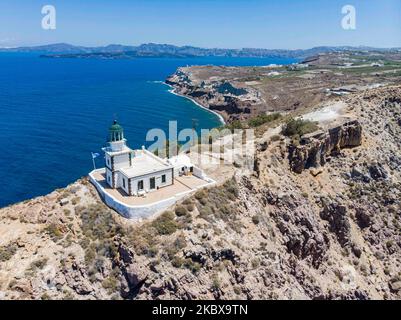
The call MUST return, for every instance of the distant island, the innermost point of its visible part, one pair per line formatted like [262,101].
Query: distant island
[117,51]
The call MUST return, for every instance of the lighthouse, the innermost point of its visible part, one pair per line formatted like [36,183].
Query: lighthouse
[137,183]
[117,154]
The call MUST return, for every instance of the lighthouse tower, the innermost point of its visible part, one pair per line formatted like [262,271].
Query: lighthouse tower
[117,154]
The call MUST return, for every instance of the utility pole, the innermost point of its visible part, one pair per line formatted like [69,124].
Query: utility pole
[194,124]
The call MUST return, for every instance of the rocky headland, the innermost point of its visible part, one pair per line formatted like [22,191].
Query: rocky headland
[243,93]
[318,217]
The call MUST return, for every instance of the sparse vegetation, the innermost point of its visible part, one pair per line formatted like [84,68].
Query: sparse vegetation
[75,201]
[299,127]
[98,223]
[218,202]
[55,232]
[112,283]
[172,249]
[216,284]
[255,263]
[7,252]
[165,224]
[275,138]
[263,118]
[36,265]
[181,211]
[256,219]
[144,240]
[192,265]
[234,125]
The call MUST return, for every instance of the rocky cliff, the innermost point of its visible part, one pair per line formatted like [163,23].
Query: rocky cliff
[268,234]
[315,148]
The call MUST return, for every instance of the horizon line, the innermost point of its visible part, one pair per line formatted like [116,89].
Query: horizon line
[193,46]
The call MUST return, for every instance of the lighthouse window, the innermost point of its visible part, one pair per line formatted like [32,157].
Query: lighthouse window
[124,183]
[140,185]
[163,178]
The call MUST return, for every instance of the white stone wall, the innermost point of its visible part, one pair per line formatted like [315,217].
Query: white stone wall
[158,181]
[108,160]
[139,212]
[120,183]
[109,177]
[199,173]
[121,161]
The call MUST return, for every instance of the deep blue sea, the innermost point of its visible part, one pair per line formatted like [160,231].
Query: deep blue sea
[55,112]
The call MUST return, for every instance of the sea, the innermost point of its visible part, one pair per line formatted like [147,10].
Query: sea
[55,112]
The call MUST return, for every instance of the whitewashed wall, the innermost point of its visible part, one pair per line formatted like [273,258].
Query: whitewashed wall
[158,180]
[138,212]
[109,177]
[199,173]
[107,160]
[121,161]
[120,184]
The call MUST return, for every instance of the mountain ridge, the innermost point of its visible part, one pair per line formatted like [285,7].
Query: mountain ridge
[154,49]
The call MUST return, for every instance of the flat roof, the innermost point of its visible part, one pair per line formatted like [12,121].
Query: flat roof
[144,163]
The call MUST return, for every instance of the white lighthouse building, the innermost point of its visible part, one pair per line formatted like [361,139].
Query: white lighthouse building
[137,172]
[138,184]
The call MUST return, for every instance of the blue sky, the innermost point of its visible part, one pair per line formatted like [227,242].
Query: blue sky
[287,24]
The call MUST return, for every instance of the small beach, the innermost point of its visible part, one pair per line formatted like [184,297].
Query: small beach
[174,91]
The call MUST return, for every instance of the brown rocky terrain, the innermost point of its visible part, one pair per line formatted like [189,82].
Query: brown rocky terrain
[318,218]
[240,93]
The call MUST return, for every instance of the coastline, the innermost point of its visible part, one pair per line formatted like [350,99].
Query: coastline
[173,91]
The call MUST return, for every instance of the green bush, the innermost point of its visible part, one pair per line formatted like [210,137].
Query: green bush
[219,202]
[200,194]
[98,223]
[256,219]
[173,248]
[235,125]
[165,224]
[7,252]
[263,118]
[144,240]
[299,127]
[216,283]
[75,201]
[111,284]
[45,296]
[177,262]
[181,211]
[54,231]
[38,264]
[232,187]
[275,138]
[255,263]
[191,265]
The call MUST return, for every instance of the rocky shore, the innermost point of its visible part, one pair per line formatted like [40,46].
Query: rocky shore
[220,96]
[242,93]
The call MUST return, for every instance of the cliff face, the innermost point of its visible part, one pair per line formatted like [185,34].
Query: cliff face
[315,148]
[268,234]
